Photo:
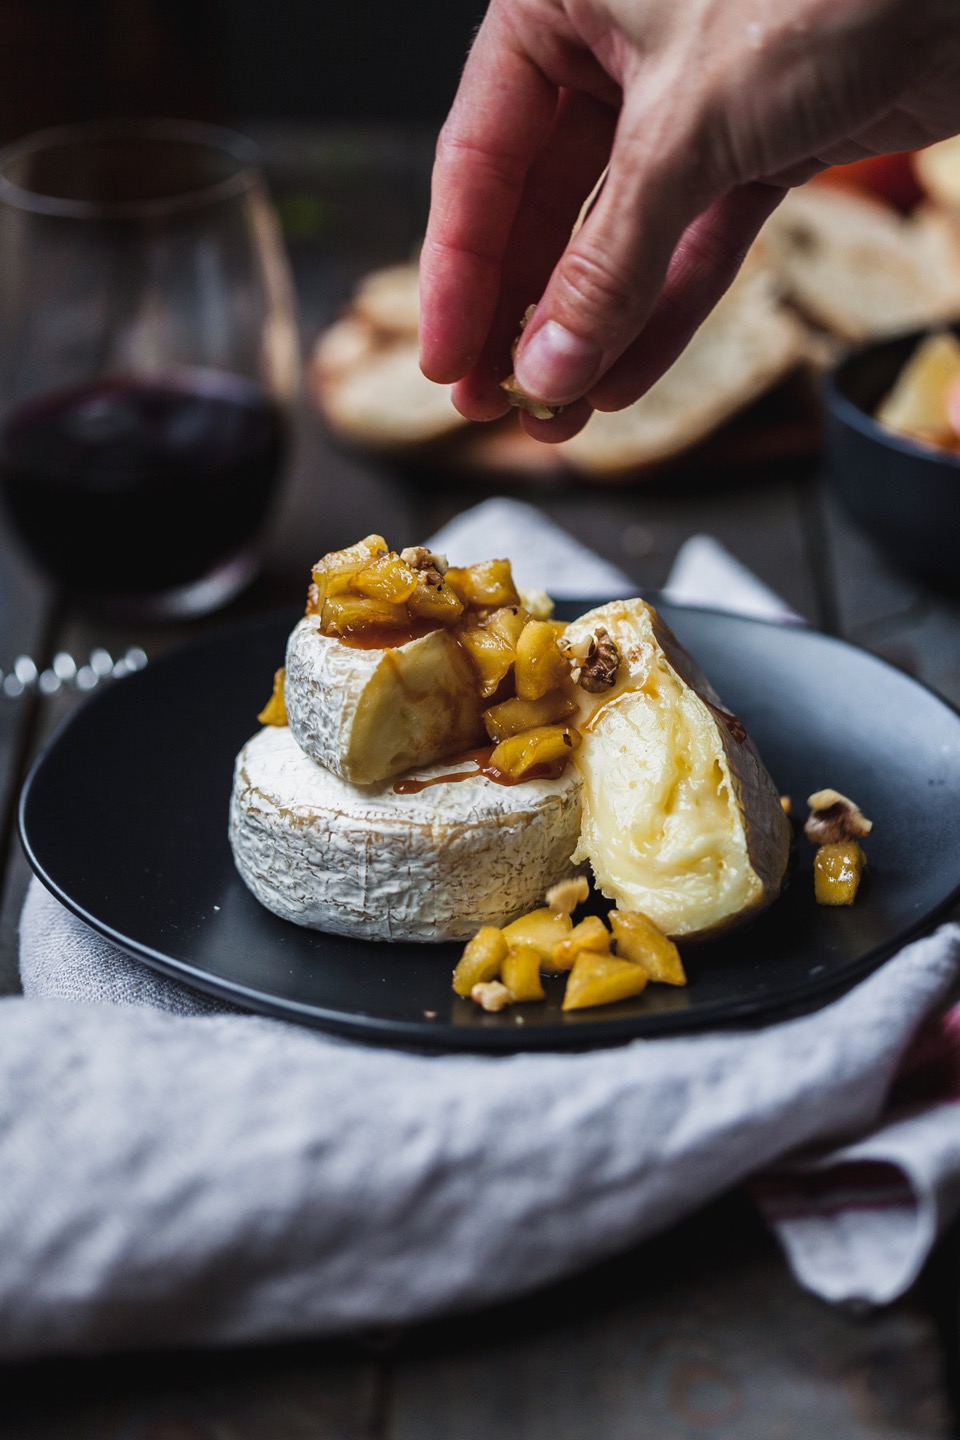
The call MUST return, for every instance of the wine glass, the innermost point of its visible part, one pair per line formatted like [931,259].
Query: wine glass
[149,361]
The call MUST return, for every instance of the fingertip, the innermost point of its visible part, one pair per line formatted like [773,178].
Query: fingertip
[563,426]
[478,399]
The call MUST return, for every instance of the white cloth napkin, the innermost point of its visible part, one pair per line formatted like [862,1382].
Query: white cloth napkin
[178,1173]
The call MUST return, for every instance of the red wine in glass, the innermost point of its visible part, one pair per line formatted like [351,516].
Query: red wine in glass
[149,362]
[134,486]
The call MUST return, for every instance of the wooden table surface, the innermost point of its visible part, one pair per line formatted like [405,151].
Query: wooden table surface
[701,1332]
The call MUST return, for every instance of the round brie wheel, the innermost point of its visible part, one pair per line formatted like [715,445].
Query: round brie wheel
[372,863]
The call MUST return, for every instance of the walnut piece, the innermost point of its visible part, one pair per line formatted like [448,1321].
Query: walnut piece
[566,895]
[491,995]
[833,818]
[518,397]
[432,567]
[599,669]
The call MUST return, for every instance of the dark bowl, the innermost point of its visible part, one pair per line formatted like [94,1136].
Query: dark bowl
[903,494]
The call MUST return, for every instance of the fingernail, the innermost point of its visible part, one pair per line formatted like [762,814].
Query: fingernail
[555,365]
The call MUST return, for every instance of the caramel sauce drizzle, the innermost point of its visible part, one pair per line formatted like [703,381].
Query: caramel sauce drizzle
[480,760]
[384,637]
[734,724]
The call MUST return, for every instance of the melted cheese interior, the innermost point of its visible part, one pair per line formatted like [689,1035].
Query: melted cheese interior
[662,826]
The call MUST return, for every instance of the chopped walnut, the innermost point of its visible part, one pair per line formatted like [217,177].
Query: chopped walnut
[418,557]
[599,670]
[834,818]
[432,567]
[491,995]
[518,397]
[566,895]
[520,400]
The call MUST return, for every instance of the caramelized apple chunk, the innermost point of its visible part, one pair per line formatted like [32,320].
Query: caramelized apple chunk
[481,960]
[484,586]
[601,980]
[507,621]
[386,578]
[589,934]
[644,943]
[336,571]
[541,930]
[349,614]
[512,716]
[544,750]
[540,664]
[434,600]
[520,972]
[275,710]
[491,654]
[837,869]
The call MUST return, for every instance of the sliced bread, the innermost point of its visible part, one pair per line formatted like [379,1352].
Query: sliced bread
[860,268]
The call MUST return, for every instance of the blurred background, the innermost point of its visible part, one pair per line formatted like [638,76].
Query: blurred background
[295,60]
[344,100]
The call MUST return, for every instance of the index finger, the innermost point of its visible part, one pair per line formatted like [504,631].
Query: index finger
[499,119]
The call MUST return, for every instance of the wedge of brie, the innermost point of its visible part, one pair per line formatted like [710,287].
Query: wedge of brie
[367,714]
[369,861]
[681,820]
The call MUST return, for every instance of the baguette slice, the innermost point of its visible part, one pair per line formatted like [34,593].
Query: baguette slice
[937,168]
[860,268]
[364,370]
[745,346]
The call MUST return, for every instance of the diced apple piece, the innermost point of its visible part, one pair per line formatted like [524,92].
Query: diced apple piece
[335,571]
[508,622]
[491,656]
[436,602]
[837,869]
[352,614]
[481,960]
[512,716]
[540,930]
[546,749]
[540,665]
[520,972]
[275,710]
[485,586]
[387,578]
[589,934]
[538,603]
[917,404]
[643,943]
[601,980]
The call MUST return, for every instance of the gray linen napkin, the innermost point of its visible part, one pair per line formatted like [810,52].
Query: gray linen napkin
[178,1180]
[178,1173]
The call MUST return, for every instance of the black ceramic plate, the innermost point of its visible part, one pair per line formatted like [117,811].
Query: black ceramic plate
[124,818]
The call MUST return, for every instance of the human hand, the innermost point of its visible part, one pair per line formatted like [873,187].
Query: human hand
[706,111]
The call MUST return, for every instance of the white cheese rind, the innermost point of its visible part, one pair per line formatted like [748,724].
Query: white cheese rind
[371,863]
[681,820]
[370,714]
